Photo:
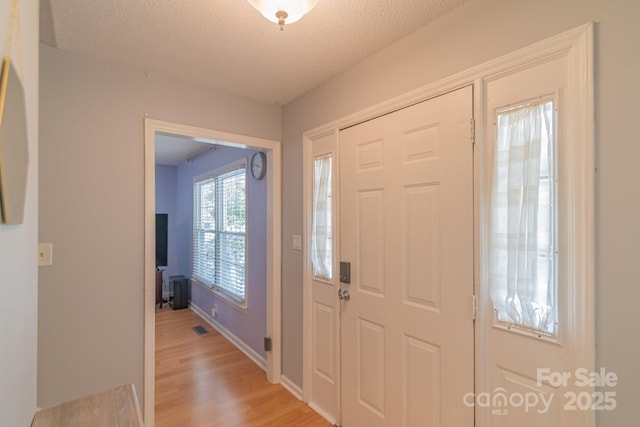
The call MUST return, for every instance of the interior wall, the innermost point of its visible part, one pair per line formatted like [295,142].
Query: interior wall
[472,34]
[91,333]
[249,326]
[166,194]
[166,202]
[18,243]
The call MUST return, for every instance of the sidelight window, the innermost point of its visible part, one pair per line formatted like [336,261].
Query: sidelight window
[523,239]
[321,241]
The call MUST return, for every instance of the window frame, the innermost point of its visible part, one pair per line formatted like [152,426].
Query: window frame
[215,286]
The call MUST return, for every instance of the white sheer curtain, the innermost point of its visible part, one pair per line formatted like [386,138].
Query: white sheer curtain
[521,266]
[321,227]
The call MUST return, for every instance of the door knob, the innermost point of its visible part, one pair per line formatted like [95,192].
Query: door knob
[344,294]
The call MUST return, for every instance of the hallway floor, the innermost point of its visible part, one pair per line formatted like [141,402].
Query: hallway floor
[205,381]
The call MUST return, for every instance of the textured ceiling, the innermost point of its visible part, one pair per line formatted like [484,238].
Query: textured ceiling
[229,46]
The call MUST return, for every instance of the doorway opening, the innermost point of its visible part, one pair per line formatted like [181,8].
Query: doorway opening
[272,153]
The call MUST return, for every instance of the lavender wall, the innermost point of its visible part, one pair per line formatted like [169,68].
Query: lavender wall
[249,326]
[166,193]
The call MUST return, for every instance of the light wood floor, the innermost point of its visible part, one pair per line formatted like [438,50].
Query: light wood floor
[204,381]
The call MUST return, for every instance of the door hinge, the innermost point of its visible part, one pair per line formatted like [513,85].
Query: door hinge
[473,307]
[473,130]
[267,343]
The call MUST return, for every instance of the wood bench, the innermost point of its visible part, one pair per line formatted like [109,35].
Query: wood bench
[113,408]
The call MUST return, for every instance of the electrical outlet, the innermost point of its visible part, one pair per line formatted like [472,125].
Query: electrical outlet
[214,311]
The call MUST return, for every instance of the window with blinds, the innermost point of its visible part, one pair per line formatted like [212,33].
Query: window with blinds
[219,230]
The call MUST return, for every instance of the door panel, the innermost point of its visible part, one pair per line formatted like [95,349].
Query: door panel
[406,221]
[370,261]
[421,379]
[370,359]
[422,240]
[324,339]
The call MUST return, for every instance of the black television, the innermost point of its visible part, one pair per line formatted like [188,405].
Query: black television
[162,229]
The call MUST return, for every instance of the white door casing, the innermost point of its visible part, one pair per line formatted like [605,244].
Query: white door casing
[274,246]
[406,197]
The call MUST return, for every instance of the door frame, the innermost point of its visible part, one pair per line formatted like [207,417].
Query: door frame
[274,243]
[577,46]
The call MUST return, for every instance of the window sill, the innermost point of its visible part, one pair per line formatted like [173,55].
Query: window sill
[224,296]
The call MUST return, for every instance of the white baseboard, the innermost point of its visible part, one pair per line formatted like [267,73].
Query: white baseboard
[323,414]
[296,391]
[291,387]
[248,351]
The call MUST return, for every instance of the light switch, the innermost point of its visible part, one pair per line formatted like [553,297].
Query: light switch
[45,253]
[296,242]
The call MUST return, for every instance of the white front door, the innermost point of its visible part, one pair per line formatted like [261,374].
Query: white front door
[406,223]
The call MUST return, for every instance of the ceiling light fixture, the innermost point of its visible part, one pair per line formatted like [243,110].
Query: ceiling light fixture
[278,11]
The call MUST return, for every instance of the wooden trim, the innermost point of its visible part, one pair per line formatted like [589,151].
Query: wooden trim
[149,276]
[307,299]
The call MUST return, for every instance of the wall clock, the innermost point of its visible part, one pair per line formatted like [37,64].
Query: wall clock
[259,165]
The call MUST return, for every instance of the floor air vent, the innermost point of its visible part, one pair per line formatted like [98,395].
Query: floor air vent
[200,330]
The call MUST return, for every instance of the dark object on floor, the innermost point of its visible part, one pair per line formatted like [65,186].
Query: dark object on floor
[200,330]
[180,286]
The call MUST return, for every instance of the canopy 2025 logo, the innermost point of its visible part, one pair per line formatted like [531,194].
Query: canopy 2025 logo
[573,399]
